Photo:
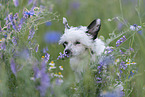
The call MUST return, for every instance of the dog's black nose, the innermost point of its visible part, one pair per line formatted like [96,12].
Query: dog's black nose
[67,51]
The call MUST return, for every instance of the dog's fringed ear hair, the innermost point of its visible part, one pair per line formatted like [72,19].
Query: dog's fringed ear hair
[94,28]
[65,23]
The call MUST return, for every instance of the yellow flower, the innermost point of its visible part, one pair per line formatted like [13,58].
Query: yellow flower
[128,63]
[52,62]
[132,71]
[59,73]
[0,40]
[42,56]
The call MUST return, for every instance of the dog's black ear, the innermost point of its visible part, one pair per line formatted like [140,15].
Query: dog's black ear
[94,28]
[65,23]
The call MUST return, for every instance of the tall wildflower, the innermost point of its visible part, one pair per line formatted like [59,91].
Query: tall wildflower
[13,66]
[41,76]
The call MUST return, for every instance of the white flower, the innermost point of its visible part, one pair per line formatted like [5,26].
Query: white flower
[52,74]
[61,67]
[60,81]
[128,60]
[60,75]
[51,67]
[109,20]
[52,63]
[132,28]
[135,27]
[56,75]
[133,63]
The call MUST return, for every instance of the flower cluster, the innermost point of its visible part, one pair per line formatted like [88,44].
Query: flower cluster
[62,56]
[120,41]
[135,27]
[58,76]
[109,50]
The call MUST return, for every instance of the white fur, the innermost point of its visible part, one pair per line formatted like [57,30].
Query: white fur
[81,56]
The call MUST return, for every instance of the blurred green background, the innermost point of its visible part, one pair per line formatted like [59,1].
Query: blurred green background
[83,12]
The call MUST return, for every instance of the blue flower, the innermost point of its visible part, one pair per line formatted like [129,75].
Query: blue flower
[48,23]
[52,37]
[5,36]
[29,13]
[140,32]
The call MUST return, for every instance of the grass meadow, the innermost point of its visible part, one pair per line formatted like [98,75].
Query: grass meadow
[29,49]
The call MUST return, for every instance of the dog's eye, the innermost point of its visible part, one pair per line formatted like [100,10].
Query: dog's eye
[65,43]
[77,42]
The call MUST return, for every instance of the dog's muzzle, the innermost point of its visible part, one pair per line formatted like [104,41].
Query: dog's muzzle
[68,52]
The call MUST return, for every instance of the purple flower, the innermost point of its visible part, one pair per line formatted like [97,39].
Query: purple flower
[16,2]
[36,48]
[22,20]
[109,50]
[121,51]
[47,56]
[14,41]
[123,65]
[62,56]
[16,16]
[44,78]
[120,41]
[130,49]
[45,50]
[5,36]
[3,46]
[0,28]
[31,33]
[13,66]
[14,26]
[10,17]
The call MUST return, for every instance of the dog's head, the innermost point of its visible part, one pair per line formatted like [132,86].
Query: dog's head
[76,40]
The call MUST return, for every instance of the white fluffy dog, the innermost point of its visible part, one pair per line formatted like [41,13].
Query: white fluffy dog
[82,45]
